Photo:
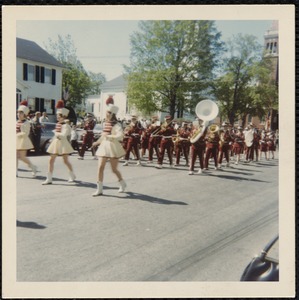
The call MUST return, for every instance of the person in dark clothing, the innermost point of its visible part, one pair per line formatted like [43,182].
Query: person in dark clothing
[36,127]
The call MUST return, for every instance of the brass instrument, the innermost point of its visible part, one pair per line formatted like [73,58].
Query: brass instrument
[206,110]
[213,128]
[161,128]
[197,134]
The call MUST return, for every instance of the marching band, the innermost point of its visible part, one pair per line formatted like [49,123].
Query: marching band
[218,144]
[209,142]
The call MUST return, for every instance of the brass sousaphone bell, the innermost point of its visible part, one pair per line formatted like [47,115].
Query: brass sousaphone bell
[206,110]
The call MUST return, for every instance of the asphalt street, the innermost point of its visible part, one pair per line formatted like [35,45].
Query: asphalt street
[168,226]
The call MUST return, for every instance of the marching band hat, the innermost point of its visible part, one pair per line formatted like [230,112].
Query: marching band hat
[61,109]
[109,100]
[225,124]
[133,117]
[240,128]
[23,107]
[167,118]
[112,108]
[154,117]
[89,115]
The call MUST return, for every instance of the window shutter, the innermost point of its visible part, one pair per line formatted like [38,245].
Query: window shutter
[37,73]
[53,76]
[42,77]
[53,106]
[25,72]
[36,104]
[42,104]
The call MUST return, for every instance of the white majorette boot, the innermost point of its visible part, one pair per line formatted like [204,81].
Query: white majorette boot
[123,186]
[33,170]
[126,163]
[48,180]
[99,190]
[72,176]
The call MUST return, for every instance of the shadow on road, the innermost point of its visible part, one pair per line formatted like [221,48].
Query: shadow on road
[237,178]
[143,197]
[31,225]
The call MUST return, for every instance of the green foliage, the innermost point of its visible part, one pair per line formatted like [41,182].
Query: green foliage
[246,86]
[172,65]
[79,82]
[96,80]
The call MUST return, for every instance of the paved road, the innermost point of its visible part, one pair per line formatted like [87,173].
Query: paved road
[169,226]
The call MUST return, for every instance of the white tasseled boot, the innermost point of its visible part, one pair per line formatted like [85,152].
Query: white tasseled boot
[48,180]
[72,176]
[123,186]
[126,163]
[33,170]
[99,190]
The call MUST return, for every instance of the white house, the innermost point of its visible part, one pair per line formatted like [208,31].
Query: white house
[115,88]
[39,77]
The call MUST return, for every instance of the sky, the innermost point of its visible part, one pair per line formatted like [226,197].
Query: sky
[104,45]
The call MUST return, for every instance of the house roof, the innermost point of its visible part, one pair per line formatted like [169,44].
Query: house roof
[118,83]
[30,50]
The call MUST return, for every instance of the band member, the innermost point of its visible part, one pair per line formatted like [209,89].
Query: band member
[89,124]
[238,145]
[249,147]
[182,143]
[145,135]
[256,144]
[110,149]
[167,131]
[212,144]
[271,144]
[197,149]
[154,139]
[23,141]
[264,145]
[60,144]
[133,133]
[224,144]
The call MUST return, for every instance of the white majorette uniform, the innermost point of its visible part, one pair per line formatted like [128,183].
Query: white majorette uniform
[110,145]
[60,144]
[23,140]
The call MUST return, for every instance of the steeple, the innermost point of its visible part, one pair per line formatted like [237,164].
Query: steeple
[271,40]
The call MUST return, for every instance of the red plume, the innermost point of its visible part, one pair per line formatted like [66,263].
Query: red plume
[60,104]
[110,100]
[24,102]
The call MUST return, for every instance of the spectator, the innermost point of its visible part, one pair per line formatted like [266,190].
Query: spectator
[36,132]
[44,118]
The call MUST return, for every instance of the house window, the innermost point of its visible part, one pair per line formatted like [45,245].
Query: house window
[31,73]
[48,106]
[31,104]
[92,107]
[48,76]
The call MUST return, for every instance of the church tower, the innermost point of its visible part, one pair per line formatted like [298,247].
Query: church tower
[271,46]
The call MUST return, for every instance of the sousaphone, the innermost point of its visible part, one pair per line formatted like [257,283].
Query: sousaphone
[206,110]
[249,138]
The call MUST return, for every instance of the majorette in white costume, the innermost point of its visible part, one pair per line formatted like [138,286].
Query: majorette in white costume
[23,142]
[60,145]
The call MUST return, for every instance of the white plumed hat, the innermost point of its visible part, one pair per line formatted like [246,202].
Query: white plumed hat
[61,109]
[112,108]
[23,107]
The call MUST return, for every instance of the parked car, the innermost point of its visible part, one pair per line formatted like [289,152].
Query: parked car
[46,135]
